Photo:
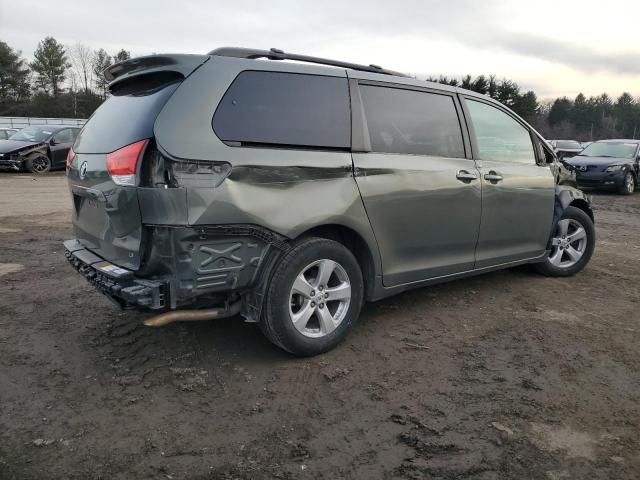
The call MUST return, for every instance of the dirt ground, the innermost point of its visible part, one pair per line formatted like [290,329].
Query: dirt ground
[508,375]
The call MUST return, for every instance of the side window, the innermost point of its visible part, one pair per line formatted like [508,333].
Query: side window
[3,134]
[285,109]
[499,136]
[412,122]
[74,134]
[63,136]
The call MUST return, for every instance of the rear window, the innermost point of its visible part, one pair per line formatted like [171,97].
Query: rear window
[285,109]
[568,144]
[126,116]
[412,122]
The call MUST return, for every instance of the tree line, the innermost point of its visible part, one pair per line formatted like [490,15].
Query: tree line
[67,81]
[582,118]
[60,80]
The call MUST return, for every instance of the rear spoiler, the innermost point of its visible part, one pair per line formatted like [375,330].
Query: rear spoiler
[176,63]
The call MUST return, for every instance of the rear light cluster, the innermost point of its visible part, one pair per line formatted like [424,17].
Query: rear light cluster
[71,155]
[122,164]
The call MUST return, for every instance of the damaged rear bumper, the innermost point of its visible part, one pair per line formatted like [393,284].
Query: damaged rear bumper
[189,267]
[118,283]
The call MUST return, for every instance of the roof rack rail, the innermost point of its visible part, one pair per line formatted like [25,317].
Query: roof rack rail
[277,54]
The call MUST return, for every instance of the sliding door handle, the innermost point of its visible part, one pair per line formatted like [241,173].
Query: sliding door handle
[493,176]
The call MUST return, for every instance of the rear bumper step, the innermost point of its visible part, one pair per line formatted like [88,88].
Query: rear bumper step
[116,282]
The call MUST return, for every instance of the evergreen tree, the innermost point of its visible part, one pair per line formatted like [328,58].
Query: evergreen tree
[50,64]
[560,111]
[14,74]
[101,61]
[121,56]
[480,85]
[526,105]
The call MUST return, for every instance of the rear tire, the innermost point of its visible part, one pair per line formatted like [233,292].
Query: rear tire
[314,297]
[38,164]
[628,185]
[572,246]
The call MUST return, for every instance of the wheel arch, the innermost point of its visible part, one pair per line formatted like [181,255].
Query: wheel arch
[584,206]
[567,196]
[356,244]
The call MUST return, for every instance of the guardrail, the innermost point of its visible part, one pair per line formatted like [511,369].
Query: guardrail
[21,122]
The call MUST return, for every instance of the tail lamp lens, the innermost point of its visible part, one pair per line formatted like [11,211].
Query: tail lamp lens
[122,164]
[71,155]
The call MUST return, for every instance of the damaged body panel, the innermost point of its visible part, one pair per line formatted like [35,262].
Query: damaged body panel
[14,155]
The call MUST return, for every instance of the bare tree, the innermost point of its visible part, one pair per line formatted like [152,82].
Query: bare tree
[82,61]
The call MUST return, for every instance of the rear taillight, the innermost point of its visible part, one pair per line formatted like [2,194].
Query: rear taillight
[123,164]
[71,155]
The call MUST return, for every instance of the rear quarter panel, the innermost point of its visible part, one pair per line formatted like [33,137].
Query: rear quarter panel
[285,190]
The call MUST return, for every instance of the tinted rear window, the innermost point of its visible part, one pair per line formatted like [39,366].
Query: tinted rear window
[285,109]
[412,122]
[568,144]
[125,117]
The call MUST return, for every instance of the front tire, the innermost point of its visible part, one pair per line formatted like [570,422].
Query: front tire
[314,297]
[38,164]
[628,185]
[572,245]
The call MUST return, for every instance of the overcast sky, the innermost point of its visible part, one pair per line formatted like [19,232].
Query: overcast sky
[555,47]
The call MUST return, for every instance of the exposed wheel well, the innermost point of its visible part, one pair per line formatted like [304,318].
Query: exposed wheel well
[584,206]
[356,244]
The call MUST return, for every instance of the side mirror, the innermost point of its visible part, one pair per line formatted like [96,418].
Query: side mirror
[52,142]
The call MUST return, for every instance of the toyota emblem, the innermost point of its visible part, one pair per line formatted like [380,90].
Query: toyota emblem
[83,170]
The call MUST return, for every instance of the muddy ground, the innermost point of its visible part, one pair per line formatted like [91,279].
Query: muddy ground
[508,375]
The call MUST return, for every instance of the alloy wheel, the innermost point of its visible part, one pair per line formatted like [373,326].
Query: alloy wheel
[629,183]
[40,164]
[319,299]
[569,243]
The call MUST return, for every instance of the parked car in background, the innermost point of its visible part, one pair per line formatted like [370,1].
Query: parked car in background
[564,173]
[291,193]
[609,164]
[566,148]
[7,132]
[38,148]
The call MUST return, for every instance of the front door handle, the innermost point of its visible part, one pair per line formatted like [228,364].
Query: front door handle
[493,176]
[466,176]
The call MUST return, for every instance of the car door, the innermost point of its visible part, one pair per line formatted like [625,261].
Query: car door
[59,147]
[518,188]
[420,189]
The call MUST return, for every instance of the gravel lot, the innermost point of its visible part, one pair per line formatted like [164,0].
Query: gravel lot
[508,375]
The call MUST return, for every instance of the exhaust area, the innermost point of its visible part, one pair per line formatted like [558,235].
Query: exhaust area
[192,315]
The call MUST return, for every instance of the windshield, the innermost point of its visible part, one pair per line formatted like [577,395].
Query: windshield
[610,149]
[568,144]
[32,134]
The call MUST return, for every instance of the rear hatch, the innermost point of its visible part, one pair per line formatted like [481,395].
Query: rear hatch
[104,165]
